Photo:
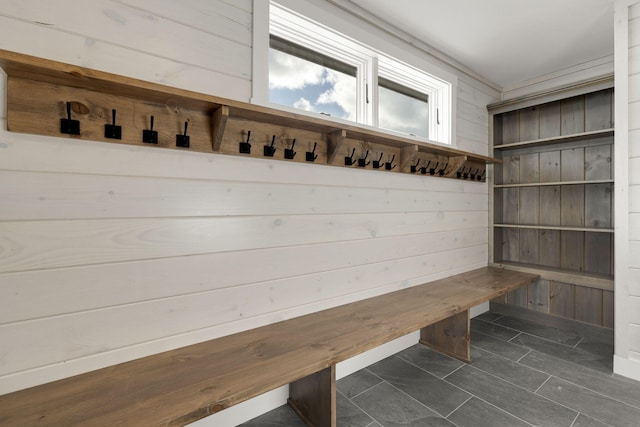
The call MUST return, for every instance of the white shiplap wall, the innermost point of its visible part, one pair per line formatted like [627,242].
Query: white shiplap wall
[627,205]
[111,252]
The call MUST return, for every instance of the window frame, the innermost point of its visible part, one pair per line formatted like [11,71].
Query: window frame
[369,62]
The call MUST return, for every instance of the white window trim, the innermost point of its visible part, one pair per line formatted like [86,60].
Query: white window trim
[413,77]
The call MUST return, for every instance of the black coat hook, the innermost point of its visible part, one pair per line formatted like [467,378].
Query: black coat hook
[432,171]
[68,126]
[424,169]
[481,176]
[377,164]
[288,152]
[363,161]
[112,131]
[389,165]
[444,168]
[183,140]
[245,147]
[150,136]
[414,168]
[311,156]
[270,150]
[460,172]
[348,161]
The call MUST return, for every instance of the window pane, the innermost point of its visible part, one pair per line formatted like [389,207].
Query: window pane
[316,83]
[402,109]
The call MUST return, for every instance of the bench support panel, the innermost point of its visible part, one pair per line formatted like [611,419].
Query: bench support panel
[314,398]
[450,336]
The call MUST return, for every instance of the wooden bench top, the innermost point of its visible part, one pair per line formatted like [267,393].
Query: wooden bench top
[183,385]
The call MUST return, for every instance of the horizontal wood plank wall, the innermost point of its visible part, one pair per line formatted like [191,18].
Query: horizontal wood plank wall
[631,290]
[112,252]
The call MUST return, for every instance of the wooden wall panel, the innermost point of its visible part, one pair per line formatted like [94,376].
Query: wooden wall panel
[598,248]
[588,305]
[550,120]
[550,166]
[97,286]
[572,115]
[598,111]
[608,309]
[538,294]
[572,164]
[572,250]
[510,127]
[549,252]
[550,205]
[597,162]
[598,205]
[529,126]
[40,339]
[561,299]
[572,207]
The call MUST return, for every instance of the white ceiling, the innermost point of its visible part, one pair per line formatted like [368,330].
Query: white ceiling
[506,41]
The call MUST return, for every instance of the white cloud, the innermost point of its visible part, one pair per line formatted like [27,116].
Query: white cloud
[288,72]
[342,92]
[304,104]
[402,114]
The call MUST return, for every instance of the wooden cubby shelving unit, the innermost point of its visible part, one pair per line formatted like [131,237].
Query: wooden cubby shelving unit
[552,195]
[39,90]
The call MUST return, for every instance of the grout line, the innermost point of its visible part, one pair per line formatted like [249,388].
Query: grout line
[364,391]
[471,396]
[510,340]
[575,419]
[357,406]
[542,385]
[579,342]
[523,356]
[502,410]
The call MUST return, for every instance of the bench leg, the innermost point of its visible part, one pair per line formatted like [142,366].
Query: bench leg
[449,336]
[314,398]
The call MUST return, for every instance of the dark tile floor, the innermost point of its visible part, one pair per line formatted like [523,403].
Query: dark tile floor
[523,373]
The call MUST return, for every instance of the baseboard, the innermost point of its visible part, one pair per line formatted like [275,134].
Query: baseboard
[626,367]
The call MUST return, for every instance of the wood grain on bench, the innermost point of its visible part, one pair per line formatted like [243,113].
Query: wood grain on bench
[183,385]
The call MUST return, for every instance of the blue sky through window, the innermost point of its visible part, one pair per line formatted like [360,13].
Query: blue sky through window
[302,84]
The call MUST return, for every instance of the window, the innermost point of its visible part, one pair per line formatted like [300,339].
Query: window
[318,70]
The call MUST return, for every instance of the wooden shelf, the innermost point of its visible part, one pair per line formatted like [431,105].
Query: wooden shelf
[554,227]
[549,184]
[557,140]
[216,125]
[590,280]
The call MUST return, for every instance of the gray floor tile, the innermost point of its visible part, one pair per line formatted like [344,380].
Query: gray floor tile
[282,416]
[488,316]
[497,346]
[597,346]
[570,354]
[427,389]
[584,421]
[430,360]
[493,329]
[349,415]
[553,334]
[521,403]
[393,408]
[354,384]
[477,413]
[590,403]
[623,389]
[508,370]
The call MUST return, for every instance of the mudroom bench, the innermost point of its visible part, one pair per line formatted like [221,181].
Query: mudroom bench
[183,385]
